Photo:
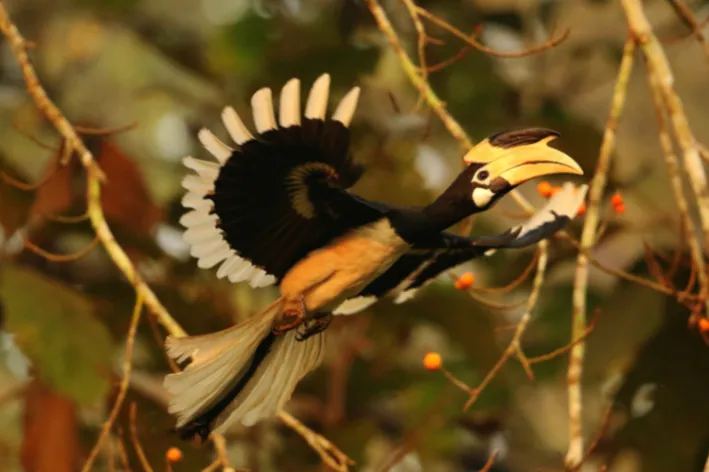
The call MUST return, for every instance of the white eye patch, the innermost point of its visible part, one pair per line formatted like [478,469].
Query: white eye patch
[482,196]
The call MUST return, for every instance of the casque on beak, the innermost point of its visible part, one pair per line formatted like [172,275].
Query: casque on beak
[519,156]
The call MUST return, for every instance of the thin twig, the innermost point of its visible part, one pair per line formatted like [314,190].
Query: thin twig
[421,42]
[329,454]
[123,390]
[415,77]
[673,170]
[513,347]
[213,466]
[482,48]
[220,447]
[67,219]
[122,452]
[684,36]
[681,296]
[517,281]
[450,61]
[132,411]
[690,20]
[60,257]
[564,349]
[42,101]
[105,131]
[490,462]
[588,236]
[605,424]
[433,101]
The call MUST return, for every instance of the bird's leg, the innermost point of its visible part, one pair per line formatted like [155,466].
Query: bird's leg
[292,315]
[315,325]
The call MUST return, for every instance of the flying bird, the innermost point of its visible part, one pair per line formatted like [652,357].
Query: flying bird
[276,209]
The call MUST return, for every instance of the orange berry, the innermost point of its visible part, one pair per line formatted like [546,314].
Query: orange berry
[617,199]
[582,209]
[173,455]
[432,361]
[619,208]
[465,281]
[704,325]
[544,188]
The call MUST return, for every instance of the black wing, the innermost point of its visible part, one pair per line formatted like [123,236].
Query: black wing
[279,196]
[420,266]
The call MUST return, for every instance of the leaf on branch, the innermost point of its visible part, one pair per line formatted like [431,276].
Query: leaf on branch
[125,198]
[55,327]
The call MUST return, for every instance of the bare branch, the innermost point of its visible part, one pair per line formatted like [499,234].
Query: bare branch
[132,412]
[673,169]
[123,390]
[657,61]
[588,236]
[514,346]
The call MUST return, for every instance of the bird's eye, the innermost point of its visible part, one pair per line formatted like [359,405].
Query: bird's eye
[483,175]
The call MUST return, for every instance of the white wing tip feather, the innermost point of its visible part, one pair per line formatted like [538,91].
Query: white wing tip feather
[346,109]
[317,99]
[235,126]
[202,234]
[262,108]
[289,111]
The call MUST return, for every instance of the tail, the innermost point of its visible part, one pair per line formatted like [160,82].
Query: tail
[241,374]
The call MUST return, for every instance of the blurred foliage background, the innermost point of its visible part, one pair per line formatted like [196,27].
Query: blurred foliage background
[171,65]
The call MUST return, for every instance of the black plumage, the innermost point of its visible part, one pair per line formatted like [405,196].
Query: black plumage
[258,191]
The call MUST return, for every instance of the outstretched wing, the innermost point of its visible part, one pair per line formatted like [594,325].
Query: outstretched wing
[266,204]
[419,266]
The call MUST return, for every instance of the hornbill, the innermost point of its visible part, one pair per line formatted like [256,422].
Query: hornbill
[276,209]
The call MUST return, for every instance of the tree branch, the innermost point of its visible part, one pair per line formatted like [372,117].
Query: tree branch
[588,237]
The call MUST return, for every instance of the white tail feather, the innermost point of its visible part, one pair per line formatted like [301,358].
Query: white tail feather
[220,360]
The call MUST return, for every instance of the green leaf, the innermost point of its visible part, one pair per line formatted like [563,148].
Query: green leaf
[55,327]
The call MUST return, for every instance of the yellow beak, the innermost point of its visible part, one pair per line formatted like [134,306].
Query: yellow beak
[528,161]
[517,161]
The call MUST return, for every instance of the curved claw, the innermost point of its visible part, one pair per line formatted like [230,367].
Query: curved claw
[315,326]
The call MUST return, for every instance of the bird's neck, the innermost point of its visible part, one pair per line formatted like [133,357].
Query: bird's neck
[427,222]
[446,211]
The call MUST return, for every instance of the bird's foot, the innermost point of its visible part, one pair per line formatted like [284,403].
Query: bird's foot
[292,316]
[316,325]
